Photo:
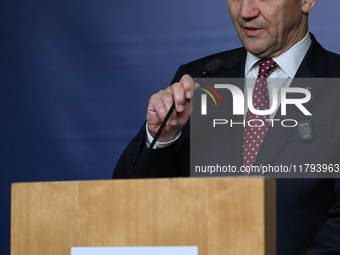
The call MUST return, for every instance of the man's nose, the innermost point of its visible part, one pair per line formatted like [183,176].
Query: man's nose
[249,9]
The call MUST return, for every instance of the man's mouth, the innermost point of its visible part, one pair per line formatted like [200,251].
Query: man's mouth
[252,31]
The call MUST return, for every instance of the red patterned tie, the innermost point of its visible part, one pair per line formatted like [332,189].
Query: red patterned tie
[254,133]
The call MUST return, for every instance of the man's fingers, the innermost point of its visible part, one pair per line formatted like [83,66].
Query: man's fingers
[183,91]
[188,85]
[179,96]
[160,103]
[159,106]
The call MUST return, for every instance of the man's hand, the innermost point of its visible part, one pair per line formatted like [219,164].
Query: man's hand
[160,103]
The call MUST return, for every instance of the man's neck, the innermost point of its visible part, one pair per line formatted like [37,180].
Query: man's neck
[289,61]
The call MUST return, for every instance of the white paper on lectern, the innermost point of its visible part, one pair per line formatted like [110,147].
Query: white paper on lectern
[159,250]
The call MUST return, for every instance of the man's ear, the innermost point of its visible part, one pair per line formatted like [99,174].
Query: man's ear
[307,5]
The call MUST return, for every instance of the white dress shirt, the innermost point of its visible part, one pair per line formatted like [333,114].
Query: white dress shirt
[282,76]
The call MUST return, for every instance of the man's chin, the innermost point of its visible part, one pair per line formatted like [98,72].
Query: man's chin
[257,46]
[258,50]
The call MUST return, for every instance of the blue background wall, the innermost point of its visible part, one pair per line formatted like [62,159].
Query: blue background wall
[76,76]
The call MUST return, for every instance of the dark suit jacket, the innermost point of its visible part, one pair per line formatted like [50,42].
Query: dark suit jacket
[308,210]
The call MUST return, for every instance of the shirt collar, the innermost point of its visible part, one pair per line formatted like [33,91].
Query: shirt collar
[289,61]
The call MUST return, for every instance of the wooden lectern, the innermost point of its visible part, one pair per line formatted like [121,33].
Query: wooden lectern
[221,216]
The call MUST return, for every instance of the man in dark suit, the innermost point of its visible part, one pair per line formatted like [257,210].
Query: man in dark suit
[308,210]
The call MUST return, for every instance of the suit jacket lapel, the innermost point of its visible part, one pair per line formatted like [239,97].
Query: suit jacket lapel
[234,66]
[315,62]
